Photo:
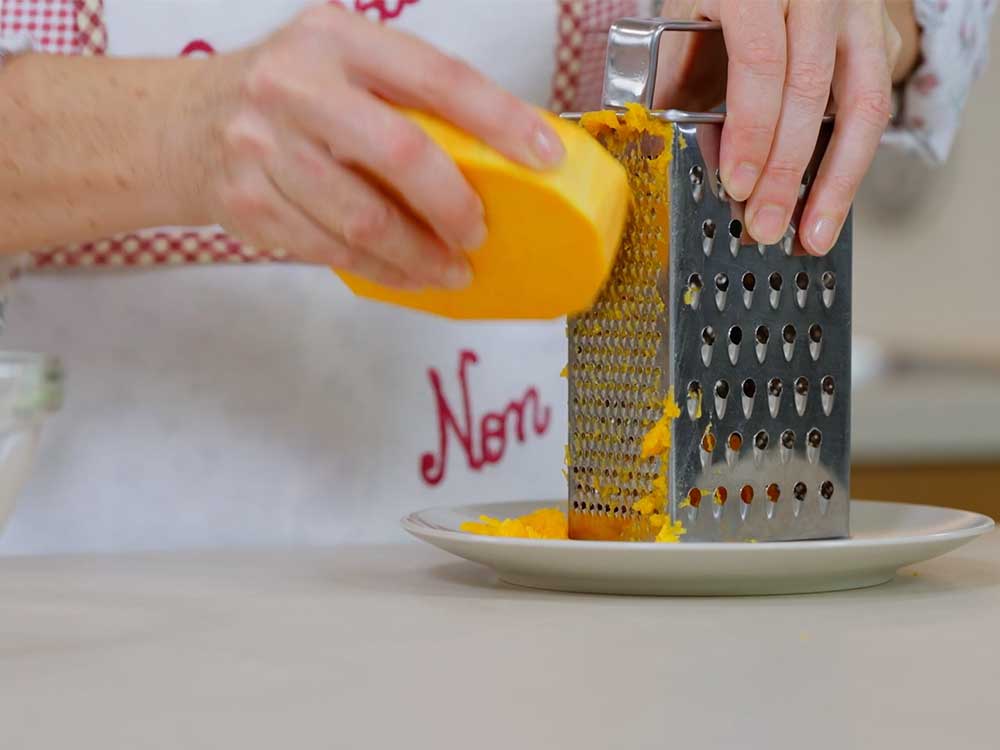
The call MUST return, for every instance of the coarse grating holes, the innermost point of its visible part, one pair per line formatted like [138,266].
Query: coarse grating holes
[749,285]
[801,394]
[721,398]
[801,288]
[815,341]
[827,388]
[735,233]
[694,497]
[788,335]
[774,388]
[707,344]
[734,444]
[721,191]
[721,290]
[746,494]
[697,178]
[775,282]
[787,441]
[799,491]
[706,450]
[773,492]
[708,236]
[760,443]
[826,490]
[814,441]
[735,342]
[720,495]
[749,394]
[694,400]
[829,283]
[694,288]
[761,336]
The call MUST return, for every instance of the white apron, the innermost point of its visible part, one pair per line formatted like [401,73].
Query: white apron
[264,404]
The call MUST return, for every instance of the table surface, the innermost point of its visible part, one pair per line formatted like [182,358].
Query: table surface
[404,647]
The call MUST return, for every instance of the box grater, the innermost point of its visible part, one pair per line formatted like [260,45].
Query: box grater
[753,341]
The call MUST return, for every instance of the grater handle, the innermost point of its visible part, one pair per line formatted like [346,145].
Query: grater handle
[630,68]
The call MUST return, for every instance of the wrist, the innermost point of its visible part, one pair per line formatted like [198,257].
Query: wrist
[189,152]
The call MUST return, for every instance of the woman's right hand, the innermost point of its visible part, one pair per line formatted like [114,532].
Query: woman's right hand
[304,152]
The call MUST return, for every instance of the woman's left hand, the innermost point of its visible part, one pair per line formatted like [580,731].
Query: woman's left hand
[786,60]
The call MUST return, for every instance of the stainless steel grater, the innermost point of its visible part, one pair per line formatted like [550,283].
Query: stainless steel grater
[754,340]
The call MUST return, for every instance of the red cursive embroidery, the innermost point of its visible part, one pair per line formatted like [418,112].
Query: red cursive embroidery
[384,9]
[197,46]
[494,426]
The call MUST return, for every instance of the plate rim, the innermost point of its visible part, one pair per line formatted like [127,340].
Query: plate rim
[979,525]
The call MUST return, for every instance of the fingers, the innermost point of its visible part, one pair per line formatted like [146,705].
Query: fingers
[811,34]
[368,222]
[371,136]
[862,90]
[408,71]
[755,38]
[263,214]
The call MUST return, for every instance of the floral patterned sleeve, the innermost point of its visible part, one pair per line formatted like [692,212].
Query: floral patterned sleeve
[955,47]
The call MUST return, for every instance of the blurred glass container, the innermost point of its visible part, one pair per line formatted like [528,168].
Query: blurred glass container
[31,388]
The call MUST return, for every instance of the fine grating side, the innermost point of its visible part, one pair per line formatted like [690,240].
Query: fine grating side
[617,357]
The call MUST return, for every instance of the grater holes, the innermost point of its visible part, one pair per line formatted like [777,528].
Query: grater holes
[775,281]
[734,444]
[722,282]
[761,440]
[707,236]
[749,389]
[788,333]
[721,397]
[720,495]
[694,400]
[788,439]
[799,491]
[697,178]
[827,388]
[694,497]
[814,441]
[826,490]
[708,442]
[708,336]
[773,492]
[735,341]
[815,341]
[746,494]
[762,334]
[801,288]
[749,281]
[828,281]
[735,233]
[694,287]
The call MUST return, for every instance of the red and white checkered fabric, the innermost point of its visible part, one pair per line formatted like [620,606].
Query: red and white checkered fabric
[580,51]
[52,24]
[90,28]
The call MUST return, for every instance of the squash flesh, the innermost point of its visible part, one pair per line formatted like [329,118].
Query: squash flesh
[552,235]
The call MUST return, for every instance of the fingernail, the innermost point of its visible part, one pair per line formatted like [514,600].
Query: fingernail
[742,181]
[822,235]
[457,275]
[547,146]
[476,238]
[768,224]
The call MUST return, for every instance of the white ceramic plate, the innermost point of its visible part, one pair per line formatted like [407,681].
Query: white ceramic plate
[885,537]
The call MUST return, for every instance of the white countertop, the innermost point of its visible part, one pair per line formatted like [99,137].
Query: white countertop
[404,647]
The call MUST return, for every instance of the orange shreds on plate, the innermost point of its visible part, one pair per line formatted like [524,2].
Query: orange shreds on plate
[547,523]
